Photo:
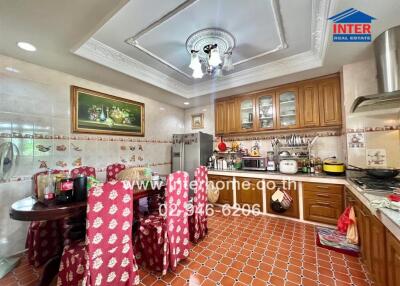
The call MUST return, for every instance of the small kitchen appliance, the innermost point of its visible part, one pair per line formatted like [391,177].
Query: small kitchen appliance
[254,163]
[271,161]
[331,166]
[288,166]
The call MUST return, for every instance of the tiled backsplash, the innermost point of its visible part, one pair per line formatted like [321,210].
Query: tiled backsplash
[35,115]
[371,132]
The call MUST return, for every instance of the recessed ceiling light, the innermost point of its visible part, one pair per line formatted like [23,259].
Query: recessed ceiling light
[11,69]
[26,46]
[186,103]
[162,108]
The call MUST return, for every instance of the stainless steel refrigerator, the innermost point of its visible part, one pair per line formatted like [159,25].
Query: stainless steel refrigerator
[191,150]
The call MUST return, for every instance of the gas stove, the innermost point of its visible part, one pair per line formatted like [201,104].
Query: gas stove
[372,185]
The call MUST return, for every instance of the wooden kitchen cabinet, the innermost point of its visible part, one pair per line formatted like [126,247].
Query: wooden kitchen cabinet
[220,111]
[330,102]
[309,105]
[251,194]
[231,124]
[265,109]
[246,114]
[314,103]
[293,211]
[322,202]
[225,188]
[378,251]
[287,108]
[393,259]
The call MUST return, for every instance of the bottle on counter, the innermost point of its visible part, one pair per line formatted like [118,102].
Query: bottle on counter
[48,192]
[312,166]
[305,166]
[64,190]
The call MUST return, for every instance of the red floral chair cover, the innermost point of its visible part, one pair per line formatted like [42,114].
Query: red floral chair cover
[113,170]
[198,220]
[85,171]
[106,258]
[44,239]
[164,238]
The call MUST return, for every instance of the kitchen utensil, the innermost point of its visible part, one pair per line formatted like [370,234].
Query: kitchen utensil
[9,158]
[331,166]
[222,145]
[288,166]
[379,173]
[284,154]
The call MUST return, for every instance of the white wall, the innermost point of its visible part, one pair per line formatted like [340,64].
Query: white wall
[208,111]
[35,110]
[380,130]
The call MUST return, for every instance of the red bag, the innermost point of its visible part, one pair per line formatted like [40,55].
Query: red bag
[344,221]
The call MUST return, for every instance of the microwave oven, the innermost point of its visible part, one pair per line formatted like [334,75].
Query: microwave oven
[254,163]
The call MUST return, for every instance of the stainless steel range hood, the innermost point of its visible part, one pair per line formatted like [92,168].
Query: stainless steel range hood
[387,54]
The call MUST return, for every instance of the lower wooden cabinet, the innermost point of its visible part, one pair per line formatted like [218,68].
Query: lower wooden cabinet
[224,184]
[393,259]
[250,194]
[380,250]
[293,211]
[322,202]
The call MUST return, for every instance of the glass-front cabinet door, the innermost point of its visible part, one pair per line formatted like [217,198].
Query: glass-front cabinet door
[288,113]
[266,111]
[247,113]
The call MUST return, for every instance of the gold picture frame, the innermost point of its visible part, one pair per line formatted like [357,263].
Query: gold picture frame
[198,121]
[95,112]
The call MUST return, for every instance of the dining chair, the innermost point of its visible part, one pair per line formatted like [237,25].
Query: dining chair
[164,238]
[44,239]
[106,256]
[198,219]
[113,170]
[85,171]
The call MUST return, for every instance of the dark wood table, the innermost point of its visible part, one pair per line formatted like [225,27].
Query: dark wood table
[30,209]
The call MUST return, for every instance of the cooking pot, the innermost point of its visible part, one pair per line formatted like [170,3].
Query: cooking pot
[333,167]
[379,173]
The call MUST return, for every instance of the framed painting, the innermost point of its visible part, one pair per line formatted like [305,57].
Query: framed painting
[100,113]
[198,121]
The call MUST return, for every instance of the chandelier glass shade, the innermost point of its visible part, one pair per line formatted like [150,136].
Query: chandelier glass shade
[212,49]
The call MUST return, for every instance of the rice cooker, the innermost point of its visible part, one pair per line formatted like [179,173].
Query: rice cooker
[288,166]
[334,167]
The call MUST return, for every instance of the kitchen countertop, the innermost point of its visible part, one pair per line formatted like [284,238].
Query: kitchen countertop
[390,218]
[316,178]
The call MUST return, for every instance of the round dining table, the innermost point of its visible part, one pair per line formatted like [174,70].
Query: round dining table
[30,209]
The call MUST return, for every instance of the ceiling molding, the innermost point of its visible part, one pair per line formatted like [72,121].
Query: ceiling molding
[105,55]
[135,40]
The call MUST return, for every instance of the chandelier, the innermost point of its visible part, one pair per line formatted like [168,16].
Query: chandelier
[211,52]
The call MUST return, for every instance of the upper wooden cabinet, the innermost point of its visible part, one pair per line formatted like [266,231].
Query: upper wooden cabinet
[308,104]
[265,109]
[330,102]
[246,111]
[287,108]
[220,118]
[231,124]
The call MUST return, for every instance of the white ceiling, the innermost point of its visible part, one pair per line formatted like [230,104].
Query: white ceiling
[58,27]
[267,31]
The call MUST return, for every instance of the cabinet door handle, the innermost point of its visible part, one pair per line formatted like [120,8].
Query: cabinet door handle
[322,195]
[324,204]
[323,187]
[362,213]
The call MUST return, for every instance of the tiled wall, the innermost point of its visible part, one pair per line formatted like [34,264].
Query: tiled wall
[328,145]
[35,115]
[373,131]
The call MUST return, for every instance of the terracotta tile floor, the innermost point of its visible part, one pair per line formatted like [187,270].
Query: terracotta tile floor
[249,251]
